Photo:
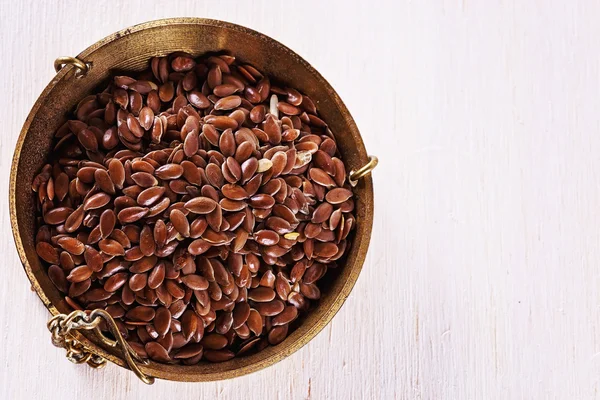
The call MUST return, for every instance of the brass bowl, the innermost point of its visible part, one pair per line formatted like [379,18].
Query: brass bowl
[131,49]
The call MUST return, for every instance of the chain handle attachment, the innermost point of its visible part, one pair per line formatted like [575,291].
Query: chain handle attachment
[81,67]
[366,169]
[61,327]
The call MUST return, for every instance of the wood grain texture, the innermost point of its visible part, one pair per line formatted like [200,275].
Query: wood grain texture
[482,279]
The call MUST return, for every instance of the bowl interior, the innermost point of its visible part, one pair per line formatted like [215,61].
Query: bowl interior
[131,49]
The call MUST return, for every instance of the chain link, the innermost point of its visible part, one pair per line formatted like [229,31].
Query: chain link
[61,327]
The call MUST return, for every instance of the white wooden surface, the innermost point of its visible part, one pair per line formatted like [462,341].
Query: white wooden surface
[482,280]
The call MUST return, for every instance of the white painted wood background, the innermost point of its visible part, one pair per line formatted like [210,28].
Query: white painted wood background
[482,280]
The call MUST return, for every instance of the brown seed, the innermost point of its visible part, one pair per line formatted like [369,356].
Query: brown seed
[47,252]
[278,334]
[269,309]
[198,247]
[325,250]
[190,144]
[104,182]
[121,237]
[107,223]
[157,130]
[314,273]
[338,195]
[322,213]
[175,289]
[157,276]
[255,322]
[116,281]
[200,205]
[133,254]
[278,224]
[266,237]
[132,214]
[153,101]
[116,172]
[273,130]
[189,324]
[240,314]
[71,245]
[257,114]
[97,294]
[94,235]
[287,108]
[319,176]
[227,143]
[234,168]
[334,219]
[93,259]
[223,323]
[244,151]
[149,196]
[143,264]
[221,122]
[142,87]
[146,118]
[225,89]
[112,247]
[57,276]
[261,294]
[215,218]
[180,222]
[144,179]
[78,288]
[218,355]
[310,291]
[282,286]
[88,140]
[294,97]
[189,351]
[147,244]
[57,215]
[183,63]
[262,201]
[80,274]
[169,171]
[214,341]
[195,282]
[157,352]
[166,91]
[228,103]
[197,227]
[214,175]
[288,314]
[198,99]
[61,186]
[312,230]
[123,81]
[142,166]
[234,192]
[138,281]
[162,321]
[134,126]
[252,95]
[215,77]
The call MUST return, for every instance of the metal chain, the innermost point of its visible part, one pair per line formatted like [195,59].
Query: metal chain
[62,325]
